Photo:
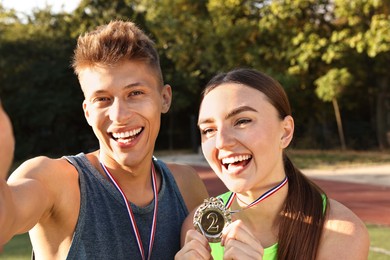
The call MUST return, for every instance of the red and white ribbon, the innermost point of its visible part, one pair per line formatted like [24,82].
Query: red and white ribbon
[259,199]
[131,215]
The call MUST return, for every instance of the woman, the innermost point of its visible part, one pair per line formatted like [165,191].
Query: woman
[277,213]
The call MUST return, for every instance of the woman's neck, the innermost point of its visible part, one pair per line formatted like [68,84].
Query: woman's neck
[262,218]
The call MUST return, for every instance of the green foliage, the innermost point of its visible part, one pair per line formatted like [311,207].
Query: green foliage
[91,13]
[312,47]
[40,92]
[331,85]
[184,43]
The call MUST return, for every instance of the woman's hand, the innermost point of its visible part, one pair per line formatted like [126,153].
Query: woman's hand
[240,243]
[196,247]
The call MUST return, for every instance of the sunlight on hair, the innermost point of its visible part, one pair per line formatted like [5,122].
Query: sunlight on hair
[299,217]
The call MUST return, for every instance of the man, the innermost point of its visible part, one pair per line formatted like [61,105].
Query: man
[117,202]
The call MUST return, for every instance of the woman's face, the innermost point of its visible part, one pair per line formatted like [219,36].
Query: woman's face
[7,143]
[243,137]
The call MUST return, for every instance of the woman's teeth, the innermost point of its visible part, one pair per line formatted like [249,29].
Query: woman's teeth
[235,159]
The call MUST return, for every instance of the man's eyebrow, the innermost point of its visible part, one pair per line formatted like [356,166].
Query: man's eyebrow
[129,86]
[205,121]
[230,114]
[132,85]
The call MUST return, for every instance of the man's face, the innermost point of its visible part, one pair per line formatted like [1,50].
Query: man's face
[7,143]
[123,105]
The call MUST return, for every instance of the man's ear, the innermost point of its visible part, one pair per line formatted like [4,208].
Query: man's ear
[166,95]
[86,113]
[288,131]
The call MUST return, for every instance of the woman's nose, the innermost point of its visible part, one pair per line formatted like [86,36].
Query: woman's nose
[224,138]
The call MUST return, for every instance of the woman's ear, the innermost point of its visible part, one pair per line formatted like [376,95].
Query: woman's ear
[288,131]
[166,95]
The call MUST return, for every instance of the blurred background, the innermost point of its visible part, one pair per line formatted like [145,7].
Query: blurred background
[331,56]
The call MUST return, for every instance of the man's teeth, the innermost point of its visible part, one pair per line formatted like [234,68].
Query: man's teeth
[235,159]
[126,134]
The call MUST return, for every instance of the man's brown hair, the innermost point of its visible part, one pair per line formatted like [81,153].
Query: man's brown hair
[116,42]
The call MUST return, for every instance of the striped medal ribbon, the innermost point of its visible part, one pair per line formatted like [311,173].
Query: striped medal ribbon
[259,199]
[131,215]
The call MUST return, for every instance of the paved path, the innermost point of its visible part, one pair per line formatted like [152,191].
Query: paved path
[365,190]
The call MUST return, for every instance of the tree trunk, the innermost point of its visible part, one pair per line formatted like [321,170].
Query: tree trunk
[381,118]
[339,124]
[380,123]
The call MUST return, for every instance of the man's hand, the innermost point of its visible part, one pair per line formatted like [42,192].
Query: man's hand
[7,144]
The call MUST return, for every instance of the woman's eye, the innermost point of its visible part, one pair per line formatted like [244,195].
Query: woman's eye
[243,121]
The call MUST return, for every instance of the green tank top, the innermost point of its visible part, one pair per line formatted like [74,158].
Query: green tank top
[270,253]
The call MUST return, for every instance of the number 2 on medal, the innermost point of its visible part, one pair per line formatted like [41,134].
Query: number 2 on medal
[213,227]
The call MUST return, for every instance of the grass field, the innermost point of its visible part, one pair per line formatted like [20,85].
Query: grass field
[309,159]
[19,248]
[380,246]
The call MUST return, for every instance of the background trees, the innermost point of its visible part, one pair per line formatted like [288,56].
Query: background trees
[307,45]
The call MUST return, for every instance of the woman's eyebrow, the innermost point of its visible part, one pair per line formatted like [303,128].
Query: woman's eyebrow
[234,112]
[239,110]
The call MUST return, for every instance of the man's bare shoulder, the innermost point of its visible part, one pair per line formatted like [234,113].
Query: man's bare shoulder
[190,184]
[42,167]
[345,235]
[179,170]
[185,175]
[42,192]
[50,180]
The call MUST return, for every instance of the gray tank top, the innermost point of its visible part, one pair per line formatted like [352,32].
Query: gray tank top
[104,230]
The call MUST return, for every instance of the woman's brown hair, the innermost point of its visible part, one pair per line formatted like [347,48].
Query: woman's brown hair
[303,216]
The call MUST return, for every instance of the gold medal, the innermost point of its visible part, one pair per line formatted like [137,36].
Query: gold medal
[210,219]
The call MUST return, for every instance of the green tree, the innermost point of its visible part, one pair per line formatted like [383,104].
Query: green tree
[312,37]
[292,37]
[91,13]
[329,88]
[39,89]
[299,42]
[361,42]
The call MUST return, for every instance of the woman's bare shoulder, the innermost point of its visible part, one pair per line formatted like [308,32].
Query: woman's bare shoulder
[345,235]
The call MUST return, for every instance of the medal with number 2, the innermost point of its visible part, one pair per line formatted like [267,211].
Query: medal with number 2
[210,219]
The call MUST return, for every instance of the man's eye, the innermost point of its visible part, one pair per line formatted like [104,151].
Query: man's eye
[136,93]
[101,99]
[207,131]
